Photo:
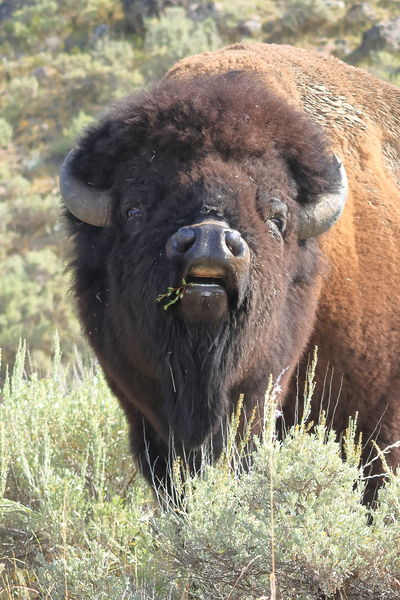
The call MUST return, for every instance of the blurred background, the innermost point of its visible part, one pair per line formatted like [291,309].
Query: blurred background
[63,62]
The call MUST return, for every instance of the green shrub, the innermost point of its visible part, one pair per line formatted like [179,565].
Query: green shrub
[6,132]
[34,298]
[71,133]
[304,15]
[293,521]
[236,521]
[68,510]
[34,291]
[386,65]
[174,36]
[50,25]
[21,92]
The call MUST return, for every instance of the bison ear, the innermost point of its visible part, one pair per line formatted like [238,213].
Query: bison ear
[84,201]
[317,217]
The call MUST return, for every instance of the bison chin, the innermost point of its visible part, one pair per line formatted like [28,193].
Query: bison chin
[212,294]
[205,302]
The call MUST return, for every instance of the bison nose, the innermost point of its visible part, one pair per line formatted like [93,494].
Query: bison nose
[235,243]
[206,240]
[181,241]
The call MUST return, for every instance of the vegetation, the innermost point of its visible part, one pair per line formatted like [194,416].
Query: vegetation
[62,63]
[76,522]
[173,295]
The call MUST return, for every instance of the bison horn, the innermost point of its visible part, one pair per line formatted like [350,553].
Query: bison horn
[320,216]
[86,203]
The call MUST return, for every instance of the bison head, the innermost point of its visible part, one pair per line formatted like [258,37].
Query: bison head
[220,183]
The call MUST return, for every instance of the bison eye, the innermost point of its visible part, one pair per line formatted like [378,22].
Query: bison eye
[134,213]
[279,221]
[275,214]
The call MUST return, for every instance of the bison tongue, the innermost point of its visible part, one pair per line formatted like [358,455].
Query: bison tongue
[205,301]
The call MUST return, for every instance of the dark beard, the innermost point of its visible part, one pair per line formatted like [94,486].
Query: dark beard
[194,381]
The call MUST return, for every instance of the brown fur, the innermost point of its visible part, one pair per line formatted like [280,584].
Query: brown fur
[358,320]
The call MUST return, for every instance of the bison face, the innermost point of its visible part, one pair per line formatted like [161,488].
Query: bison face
[218,183]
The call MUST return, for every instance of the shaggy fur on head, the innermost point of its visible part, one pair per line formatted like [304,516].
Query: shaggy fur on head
[224,142]
[232,116]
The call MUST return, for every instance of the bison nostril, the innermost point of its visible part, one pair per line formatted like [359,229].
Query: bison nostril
[235,242]
[184,239]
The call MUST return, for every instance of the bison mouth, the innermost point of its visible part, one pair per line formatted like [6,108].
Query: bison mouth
[203,285]
[209,295]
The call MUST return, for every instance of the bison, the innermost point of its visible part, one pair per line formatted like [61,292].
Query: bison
[224,181]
